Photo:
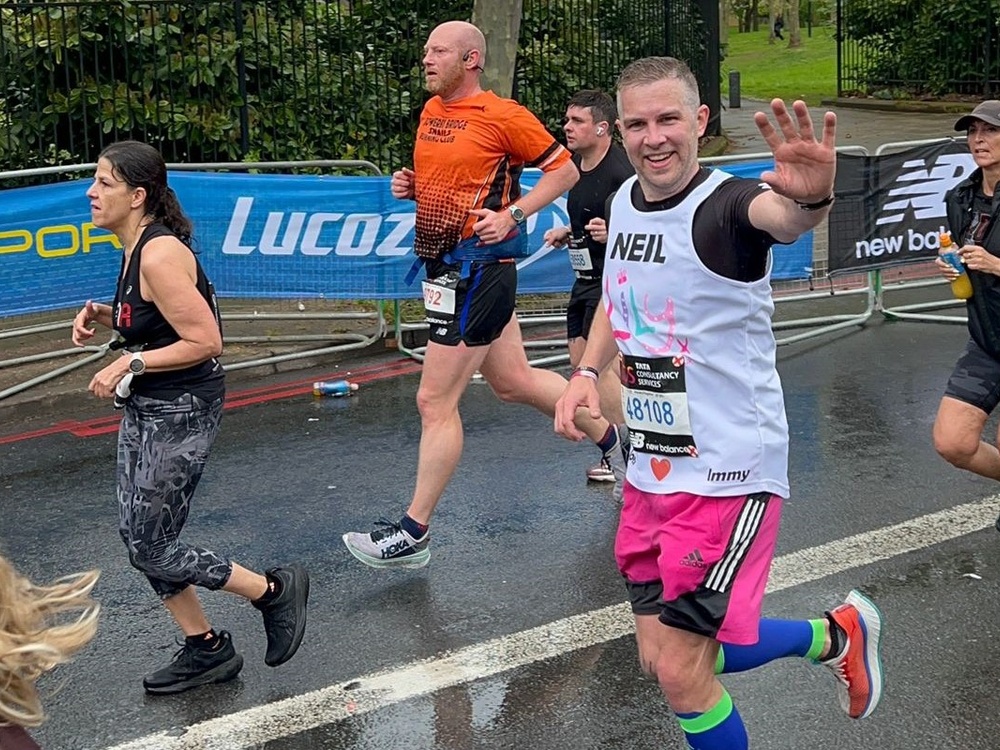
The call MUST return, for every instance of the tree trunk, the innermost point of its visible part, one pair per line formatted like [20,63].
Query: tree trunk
[500,22]
[794,30]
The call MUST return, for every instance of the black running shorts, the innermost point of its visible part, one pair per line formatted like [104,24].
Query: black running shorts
[484,304]
[975,379]
[583,302]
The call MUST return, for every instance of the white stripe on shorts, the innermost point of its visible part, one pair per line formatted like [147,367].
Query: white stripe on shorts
[720,577]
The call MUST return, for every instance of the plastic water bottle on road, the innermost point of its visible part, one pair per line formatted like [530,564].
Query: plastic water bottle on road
[334,388]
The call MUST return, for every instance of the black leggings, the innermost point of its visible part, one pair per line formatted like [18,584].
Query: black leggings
[162,448]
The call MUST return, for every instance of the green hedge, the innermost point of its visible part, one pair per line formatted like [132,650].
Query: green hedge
[225,80]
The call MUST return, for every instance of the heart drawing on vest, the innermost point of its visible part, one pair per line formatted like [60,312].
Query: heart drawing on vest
[661,467]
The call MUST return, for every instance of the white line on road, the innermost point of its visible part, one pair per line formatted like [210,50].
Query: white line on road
[272,721]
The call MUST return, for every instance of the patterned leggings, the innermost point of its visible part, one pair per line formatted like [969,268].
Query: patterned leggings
[162,448]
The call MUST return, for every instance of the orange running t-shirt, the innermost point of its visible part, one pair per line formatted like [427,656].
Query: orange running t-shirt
[470,154]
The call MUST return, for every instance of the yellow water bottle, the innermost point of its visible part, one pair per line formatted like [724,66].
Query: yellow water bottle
[962,286]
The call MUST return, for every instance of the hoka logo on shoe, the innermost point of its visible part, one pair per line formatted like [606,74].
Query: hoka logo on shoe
[693,560]
[395,549]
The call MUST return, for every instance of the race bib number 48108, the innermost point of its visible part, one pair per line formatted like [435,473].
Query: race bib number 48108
[655,403]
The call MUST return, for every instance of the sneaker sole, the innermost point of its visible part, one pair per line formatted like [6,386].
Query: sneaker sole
[600,479]
[871,624]
[301,602]
[418,560]
[222,673]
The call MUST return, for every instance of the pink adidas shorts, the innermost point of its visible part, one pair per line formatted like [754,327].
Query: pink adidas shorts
[700,563]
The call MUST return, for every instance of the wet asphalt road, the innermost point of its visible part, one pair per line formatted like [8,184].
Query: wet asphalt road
[521,541]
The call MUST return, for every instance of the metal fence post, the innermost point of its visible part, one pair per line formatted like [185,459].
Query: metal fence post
[712,93]
[241,73]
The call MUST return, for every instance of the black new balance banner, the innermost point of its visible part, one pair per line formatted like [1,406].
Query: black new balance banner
[890,208]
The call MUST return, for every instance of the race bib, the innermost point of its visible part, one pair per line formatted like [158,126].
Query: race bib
[579,255]
[439,298]
[655,404]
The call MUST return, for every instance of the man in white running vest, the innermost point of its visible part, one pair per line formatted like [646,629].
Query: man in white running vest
[687,310]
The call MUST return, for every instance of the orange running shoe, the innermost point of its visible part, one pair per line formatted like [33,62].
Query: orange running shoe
[858,667]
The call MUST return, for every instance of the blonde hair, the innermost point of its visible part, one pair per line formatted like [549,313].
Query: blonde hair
[34,638]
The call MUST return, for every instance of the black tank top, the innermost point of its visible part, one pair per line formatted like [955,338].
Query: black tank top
[588,199]
[142,327]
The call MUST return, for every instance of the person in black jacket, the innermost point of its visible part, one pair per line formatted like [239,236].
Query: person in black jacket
[172,389]
[973,389]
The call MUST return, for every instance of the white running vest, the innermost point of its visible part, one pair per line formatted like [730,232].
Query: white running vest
[700,390]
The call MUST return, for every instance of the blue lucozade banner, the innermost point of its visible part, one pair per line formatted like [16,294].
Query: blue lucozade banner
[264,236]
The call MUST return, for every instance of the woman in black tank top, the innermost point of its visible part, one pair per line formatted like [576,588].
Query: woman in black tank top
[172,388]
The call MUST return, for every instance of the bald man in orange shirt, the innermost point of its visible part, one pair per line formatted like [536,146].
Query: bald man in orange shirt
[470,150]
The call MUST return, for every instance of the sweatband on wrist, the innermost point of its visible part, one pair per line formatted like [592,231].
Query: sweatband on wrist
[587,372]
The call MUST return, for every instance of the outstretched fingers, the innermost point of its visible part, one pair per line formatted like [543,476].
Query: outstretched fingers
[830,130]
[797,128]
[784,118]
[784,121]
[801,111]
[767,131]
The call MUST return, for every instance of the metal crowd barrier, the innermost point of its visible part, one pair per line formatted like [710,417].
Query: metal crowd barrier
[806,289]
[817,288]
[341,341]
[546,316]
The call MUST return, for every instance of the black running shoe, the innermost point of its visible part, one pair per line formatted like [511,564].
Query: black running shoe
[192,666]
[285,617]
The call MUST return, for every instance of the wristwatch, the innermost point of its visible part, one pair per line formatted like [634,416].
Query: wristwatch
[136,364]
[516,213]
[818,204]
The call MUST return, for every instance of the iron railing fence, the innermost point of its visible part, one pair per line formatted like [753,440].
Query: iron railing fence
[904,50]
[244,80]
[567,46]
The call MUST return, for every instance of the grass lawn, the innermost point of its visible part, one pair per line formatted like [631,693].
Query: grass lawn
[767,70]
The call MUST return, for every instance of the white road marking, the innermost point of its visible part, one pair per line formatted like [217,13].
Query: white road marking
[272,721]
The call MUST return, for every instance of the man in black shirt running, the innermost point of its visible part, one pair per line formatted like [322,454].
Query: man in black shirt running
[603,165]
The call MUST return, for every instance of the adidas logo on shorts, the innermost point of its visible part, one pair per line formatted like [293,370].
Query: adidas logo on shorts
[693,560]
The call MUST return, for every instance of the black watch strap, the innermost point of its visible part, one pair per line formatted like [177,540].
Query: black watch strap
[817,205]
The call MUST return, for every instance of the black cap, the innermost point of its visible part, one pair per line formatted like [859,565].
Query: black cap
[988,111]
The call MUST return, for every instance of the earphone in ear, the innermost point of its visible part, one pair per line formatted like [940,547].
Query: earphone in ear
[465,57]
[600,130]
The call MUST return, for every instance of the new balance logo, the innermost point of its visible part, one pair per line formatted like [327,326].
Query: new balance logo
[693,560]
[920,187]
